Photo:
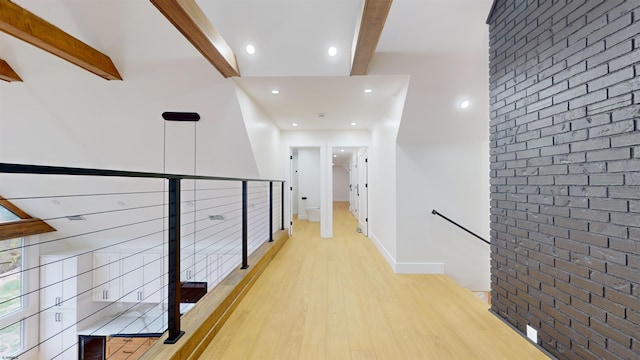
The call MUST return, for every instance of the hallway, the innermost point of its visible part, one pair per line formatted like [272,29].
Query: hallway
[339,299]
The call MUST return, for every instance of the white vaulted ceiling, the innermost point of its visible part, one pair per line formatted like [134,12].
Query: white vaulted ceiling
[291,38]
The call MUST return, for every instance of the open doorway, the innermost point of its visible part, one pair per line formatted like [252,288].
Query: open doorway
[350,182]
[305,197]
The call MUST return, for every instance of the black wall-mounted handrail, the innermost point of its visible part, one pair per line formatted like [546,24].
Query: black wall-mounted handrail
[460,226]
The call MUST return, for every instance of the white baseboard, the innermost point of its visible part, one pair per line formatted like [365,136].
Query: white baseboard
[407,268]
[387,256]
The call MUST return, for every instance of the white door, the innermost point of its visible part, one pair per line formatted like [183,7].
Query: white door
[363,196]
[353,188]
[291,197]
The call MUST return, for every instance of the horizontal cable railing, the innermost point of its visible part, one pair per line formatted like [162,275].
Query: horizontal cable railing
[434,212]
[126,244]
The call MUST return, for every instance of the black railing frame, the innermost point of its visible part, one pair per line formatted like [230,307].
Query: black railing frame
[173,311]
[173,308]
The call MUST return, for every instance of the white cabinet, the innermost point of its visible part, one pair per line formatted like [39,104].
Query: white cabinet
[131,278]
[194,268]
[58,281]
[155,278]
[142,278]
[58,336]
[106,277]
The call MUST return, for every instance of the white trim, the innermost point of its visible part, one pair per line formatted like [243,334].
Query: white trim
[387,256]
[407,268]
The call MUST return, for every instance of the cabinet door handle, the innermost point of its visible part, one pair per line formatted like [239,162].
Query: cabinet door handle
[127,351]
[58,317]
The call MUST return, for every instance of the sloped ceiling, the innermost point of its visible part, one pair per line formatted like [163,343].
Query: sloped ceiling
[291,38]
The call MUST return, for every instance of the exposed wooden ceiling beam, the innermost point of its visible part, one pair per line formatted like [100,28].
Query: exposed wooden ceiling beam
[28,27]
[189,19]
[26,226]
[374,16]
[14,209]
[7,73]
[22,228]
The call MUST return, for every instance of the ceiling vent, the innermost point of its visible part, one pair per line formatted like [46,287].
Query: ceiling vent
[76,218]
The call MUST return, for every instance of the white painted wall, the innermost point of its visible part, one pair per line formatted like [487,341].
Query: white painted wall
[382,181]
[308,180]
[264,136]
[340,183]
[440,149]
[447,177]
[65,116]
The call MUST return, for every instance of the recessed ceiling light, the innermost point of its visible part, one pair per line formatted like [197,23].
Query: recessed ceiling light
[334,155]
[464,104]
[353,124]
[332,164]
[341,150]
[332,51]
[275,92]
[250,49]
[294,124]
[368,91]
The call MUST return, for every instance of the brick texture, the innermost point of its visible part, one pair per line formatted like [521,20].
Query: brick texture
[565,173]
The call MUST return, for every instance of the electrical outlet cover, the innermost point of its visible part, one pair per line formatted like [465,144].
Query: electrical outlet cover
[532,334]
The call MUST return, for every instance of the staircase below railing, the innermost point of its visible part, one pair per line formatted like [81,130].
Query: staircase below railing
[434,212]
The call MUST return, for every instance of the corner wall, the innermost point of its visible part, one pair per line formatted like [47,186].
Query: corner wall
[566,173]
[452,178]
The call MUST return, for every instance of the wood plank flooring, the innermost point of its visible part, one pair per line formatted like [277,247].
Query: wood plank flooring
[339,299]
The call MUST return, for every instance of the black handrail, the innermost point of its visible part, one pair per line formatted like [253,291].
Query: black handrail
[61,170]
[460,226]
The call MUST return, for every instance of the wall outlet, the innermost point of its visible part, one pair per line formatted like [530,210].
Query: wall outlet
[532,334]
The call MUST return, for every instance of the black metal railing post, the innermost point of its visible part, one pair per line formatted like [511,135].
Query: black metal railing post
[173,311]
[282,206]
[270,211]
[245,230]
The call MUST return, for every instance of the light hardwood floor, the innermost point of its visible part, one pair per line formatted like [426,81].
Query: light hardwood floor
[339,299]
